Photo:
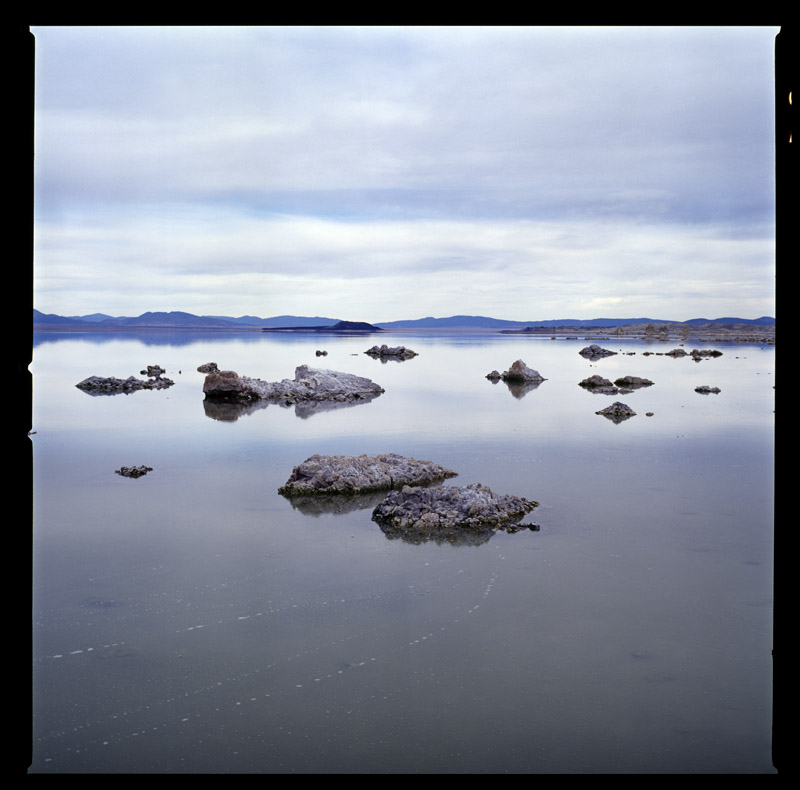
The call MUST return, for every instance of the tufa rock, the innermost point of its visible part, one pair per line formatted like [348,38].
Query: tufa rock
[97,385]
[518,372]
[617,412]
[133,471]
[395,352]
[596,352]
[309,384]
[451,507]
[343,474]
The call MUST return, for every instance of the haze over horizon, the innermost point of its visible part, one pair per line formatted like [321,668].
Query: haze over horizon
[388,173]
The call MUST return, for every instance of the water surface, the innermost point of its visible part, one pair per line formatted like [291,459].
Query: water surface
[193,620]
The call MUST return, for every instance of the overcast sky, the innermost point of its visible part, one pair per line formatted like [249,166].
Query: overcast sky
[374,174]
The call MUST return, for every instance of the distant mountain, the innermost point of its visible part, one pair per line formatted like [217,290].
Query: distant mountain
[485,322]
[50,319]
[765,320]
[93,317]
[182,320]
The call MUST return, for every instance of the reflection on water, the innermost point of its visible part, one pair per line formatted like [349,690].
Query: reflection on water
[230,411]
[194,620]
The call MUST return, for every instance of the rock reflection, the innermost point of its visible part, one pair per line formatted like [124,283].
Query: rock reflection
[458,536]
[337,504]
[519,389]
[230,411]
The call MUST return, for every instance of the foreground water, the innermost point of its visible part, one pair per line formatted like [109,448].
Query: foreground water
[193,620]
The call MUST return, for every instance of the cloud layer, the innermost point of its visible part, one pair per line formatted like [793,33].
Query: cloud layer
[385,173]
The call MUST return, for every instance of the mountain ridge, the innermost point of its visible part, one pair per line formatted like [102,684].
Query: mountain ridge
[183,320]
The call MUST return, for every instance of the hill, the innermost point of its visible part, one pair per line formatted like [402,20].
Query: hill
[182,320]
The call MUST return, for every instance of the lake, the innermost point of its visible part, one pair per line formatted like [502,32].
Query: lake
[194,620]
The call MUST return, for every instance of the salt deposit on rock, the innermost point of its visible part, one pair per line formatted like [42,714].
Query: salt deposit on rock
[344,474]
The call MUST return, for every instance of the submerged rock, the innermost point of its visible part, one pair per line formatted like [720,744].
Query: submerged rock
[97,385]
[473,506]
[617,412]
[309,384]
[345,474]
[395,352]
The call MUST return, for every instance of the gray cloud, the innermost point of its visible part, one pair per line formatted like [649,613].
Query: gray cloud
[360,154]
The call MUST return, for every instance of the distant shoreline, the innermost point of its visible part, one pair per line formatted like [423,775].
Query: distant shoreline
[721,333]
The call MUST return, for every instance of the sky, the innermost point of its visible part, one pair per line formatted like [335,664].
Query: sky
[387,173]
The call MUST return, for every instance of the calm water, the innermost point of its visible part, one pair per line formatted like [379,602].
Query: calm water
[193,620]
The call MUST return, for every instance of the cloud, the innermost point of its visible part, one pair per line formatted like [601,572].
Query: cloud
[257,155]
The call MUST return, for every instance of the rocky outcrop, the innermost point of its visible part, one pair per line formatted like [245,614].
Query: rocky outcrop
[695,354]
[473,506]
[208,367]
[617,412]
[596,352]
[385,352]
[344,474]
[309,384]
[518,372]
[704,389]
[624,384]
[599,385]
[630,383]
[133,471]
[519,378]
[97,385]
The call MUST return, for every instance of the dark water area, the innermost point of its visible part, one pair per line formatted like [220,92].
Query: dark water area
[193,620]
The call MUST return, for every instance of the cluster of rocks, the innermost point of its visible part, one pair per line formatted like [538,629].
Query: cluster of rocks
[518,372]
[624,384]
[387,352]
[343,474]
[695,353]
[133,471]
[98,385]
[704,389]
[416,508]
[309,384]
